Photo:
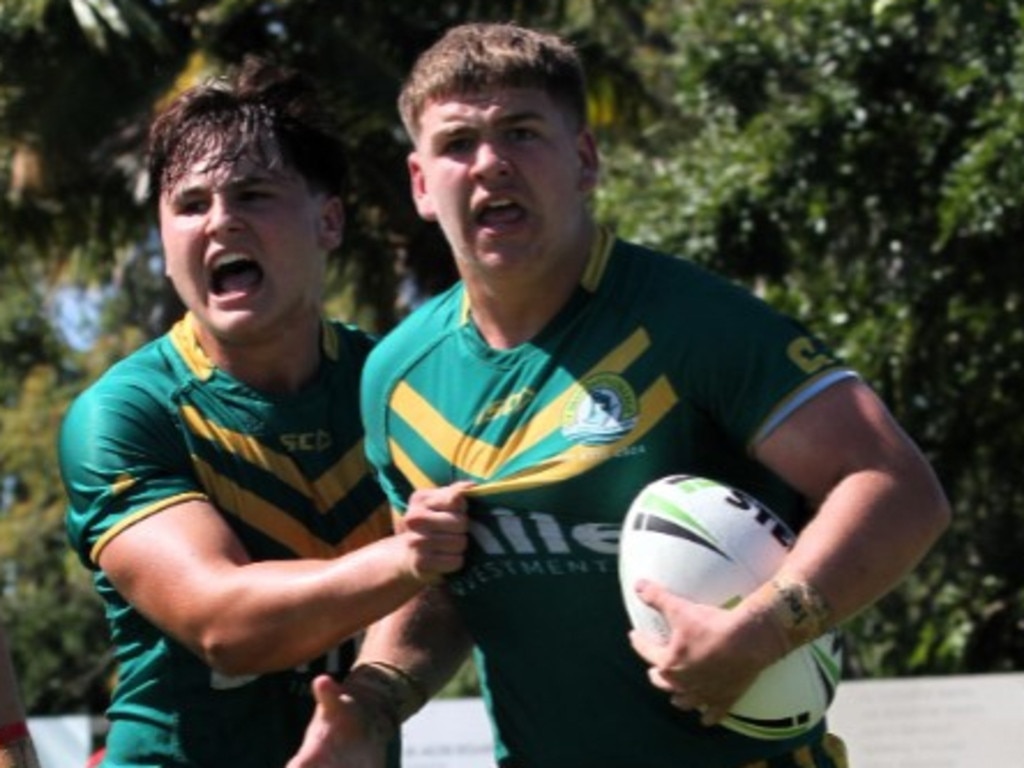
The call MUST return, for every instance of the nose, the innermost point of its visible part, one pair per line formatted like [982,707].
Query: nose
[221,216]
[490,162]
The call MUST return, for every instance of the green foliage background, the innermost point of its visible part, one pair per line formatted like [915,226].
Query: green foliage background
[858,164]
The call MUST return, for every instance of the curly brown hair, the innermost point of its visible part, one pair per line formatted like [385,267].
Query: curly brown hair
[263,110]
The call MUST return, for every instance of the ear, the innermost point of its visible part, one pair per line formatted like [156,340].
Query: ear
[590,161]
[332,223]
[418,183]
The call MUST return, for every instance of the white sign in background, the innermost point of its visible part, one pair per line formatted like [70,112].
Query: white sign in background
[974,721]
[62,742]
[448,733]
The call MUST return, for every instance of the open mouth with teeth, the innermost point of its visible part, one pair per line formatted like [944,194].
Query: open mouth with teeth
[500,212]
[235,273]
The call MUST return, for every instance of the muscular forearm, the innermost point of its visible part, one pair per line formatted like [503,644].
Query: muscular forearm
[425,637]
[868,535]
[278,614]
[879,506]
[405,660]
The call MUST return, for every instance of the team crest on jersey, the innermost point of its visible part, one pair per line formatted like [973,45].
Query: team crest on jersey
[601,411]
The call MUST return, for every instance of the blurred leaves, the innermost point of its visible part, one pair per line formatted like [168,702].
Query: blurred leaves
[857,164]
[81,278]
[860,166]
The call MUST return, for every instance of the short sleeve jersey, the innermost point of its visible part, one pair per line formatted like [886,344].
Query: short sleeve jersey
[289,475]
[654,367]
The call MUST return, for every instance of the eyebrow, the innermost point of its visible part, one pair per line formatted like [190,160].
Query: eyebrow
[457,126]
[233,183]
[523,115]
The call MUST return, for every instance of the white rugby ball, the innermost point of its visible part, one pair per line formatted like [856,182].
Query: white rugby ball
[714,545]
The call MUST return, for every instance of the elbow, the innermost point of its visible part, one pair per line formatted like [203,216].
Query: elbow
[228,655]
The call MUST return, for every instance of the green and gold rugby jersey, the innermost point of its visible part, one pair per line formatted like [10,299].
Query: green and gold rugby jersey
[654,367]
[290,476]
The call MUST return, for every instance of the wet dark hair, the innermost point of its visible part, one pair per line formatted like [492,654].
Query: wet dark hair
[261,110]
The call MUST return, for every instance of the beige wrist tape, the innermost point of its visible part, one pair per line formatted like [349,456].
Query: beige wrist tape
[797,608]
[386,694]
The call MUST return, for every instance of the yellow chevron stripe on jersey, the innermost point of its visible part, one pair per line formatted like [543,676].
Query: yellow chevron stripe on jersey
[259,513]
[279,525]
[245,446]
[417,477]
[549,419]
[657,401]
[411,406]
[332,486]
[338,480]
[479,458]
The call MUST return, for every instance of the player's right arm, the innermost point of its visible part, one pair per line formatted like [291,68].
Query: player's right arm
[186,571]
[137,513]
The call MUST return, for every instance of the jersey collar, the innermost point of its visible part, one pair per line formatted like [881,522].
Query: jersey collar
[592,273]
[186,341]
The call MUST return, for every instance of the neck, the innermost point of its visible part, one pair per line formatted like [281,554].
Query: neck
[509,310]
[280,365]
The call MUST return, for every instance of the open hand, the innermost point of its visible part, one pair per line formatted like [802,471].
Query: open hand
[711,656]
[336,736]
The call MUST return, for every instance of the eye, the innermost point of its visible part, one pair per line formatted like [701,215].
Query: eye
[253,194]
[190,206]
[521,133]
[457,145]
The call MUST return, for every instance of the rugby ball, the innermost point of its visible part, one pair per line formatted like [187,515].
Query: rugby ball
[713,544]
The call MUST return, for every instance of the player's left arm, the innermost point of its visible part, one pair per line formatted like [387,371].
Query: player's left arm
[879,509]
[404,659]
[879,506]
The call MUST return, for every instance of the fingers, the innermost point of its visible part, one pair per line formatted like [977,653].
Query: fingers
[327,692]
[709,715]
[438,506]
[436,527]
[337,735]
[696,664]
[656,595]
[686,697]
[656,649]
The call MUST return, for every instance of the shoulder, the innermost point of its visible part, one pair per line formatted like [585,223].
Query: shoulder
[419,332]
[412,343]
[144,377]
[664,272]
[130,402]
[677,292]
